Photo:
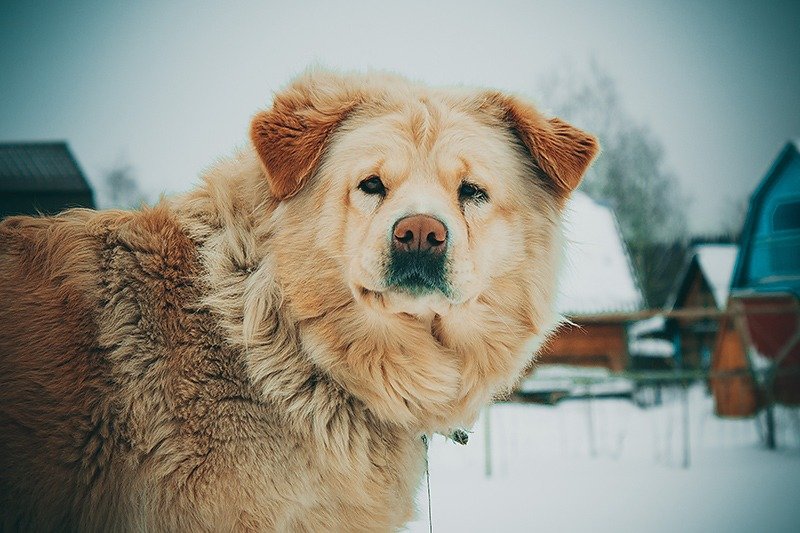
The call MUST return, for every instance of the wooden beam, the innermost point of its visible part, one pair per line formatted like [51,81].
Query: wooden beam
[695,313]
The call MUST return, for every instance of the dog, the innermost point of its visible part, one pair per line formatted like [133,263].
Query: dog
[267,351]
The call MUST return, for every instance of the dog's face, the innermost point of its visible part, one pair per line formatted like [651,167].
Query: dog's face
[426,223]
[422,197]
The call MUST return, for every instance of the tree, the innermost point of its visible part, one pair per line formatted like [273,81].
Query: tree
[120,189]
[629,174]
[733,216]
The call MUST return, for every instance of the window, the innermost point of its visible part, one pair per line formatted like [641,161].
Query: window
[786,216]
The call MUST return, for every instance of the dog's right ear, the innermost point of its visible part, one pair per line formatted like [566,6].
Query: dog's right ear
[291,136]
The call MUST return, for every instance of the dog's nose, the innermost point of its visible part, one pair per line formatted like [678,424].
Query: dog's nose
[421,233]
[418,260]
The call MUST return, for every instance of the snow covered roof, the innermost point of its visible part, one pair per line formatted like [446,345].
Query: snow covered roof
[597,277]
[717,262]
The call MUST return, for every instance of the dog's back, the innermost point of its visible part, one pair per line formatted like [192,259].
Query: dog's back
[49,380]
[124,406]
[101,372]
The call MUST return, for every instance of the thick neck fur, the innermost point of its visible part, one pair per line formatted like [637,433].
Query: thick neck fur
[264,267]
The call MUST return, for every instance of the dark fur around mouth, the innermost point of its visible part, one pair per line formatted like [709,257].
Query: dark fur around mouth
[417,272]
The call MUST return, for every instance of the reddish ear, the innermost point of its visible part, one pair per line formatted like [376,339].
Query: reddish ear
[562,151]
[290,137]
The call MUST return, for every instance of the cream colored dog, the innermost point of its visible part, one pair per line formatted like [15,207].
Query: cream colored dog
[265,352]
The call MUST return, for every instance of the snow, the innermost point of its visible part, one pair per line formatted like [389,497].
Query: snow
[575,381]
[654,324]
[641,344]
[651,348]
[597,274]
[717,262]
[548,475]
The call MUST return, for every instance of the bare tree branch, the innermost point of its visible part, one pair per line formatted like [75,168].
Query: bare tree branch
[119,189]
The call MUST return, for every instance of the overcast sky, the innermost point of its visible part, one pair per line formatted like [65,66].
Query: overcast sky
[169,86]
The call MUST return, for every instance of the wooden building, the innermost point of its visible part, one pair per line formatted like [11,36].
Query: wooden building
[734,390]
[703,284]
[764,292]
[589,341]
[40,178]
[597,288]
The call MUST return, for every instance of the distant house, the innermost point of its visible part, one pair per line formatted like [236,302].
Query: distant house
[597,289]
[704,283]
[40,178]
[764,291]
[770,241]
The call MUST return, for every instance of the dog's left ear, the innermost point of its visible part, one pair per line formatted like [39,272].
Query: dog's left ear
[291,136]
[562,151]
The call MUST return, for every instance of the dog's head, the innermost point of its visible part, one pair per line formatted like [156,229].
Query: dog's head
[422,197]
[414,235]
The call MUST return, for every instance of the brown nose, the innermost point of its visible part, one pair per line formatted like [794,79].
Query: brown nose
[420,233]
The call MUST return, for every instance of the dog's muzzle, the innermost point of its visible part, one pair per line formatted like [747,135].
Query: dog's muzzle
[418,255]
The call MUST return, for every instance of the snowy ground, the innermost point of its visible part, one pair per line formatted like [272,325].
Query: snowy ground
[549,475]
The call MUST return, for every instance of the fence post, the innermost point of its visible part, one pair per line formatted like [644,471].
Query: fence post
[590,420]
[770,415]
[487,440]
[686,442]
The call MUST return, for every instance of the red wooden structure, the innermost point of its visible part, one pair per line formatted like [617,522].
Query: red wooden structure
[770,323]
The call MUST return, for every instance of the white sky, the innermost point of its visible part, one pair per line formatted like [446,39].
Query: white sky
[170,87]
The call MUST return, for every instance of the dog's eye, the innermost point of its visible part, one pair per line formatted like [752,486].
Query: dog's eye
[373,185]
[471,192]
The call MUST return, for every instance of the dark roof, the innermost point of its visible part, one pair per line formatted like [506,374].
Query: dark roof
[790,151]
[39,166]
[684,280]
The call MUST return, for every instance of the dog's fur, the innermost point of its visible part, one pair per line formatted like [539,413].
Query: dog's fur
[233,359]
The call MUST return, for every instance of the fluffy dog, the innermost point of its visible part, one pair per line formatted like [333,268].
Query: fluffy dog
[265,352]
